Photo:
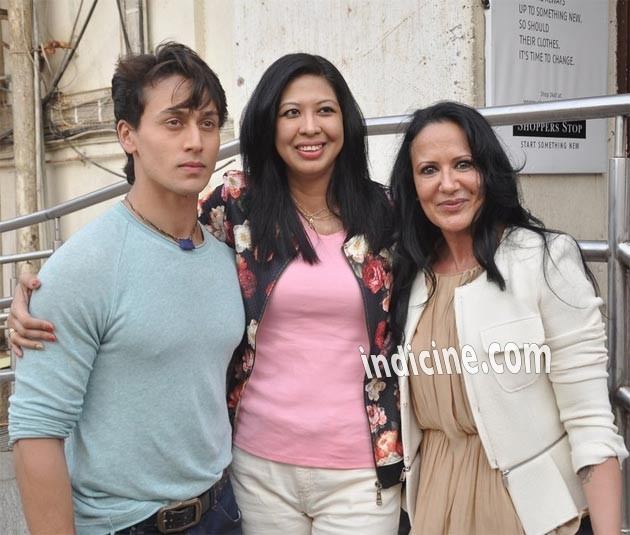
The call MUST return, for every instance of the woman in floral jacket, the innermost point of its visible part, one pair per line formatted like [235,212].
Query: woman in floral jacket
[316,442]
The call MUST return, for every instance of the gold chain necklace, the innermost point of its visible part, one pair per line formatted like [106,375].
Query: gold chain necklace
[185,244]
[314,216]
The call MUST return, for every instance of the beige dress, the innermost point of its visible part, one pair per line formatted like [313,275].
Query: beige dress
[459,493]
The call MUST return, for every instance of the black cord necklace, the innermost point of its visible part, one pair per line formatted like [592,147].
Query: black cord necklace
[185,244]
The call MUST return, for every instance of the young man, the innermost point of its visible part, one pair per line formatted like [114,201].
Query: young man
[147,311]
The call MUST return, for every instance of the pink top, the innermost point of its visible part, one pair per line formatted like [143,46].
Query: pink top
[303,404]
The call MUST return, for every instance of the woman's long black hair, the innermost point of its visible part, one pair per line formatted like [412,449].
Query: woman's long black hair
[418,240]
[361,204]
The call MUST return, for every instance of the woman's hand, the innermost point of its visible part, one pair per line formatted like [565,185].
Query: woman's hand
[602,487]
[25,331]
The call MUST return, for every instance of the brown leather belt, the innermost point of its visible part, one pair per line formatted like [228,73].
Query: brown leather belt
[180,516]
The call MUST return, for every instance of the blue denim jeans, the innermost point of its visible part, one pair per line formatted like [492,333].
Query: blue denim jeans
[222,519]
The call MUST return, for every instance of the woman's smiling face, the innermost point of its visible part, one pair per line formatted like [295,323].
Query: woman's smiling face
[309,128]
[447,182]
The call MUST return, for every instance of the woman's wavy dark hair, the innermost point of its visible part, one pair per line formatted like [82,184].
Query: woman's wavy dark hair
[418,240]
[361,204]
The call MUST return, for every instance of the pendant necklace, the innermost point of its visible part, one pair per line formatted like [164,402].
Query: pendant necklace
[185,244]
[314,216]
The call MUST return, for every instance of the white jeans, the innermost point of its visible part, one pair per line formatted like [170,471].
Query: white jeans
[285,499]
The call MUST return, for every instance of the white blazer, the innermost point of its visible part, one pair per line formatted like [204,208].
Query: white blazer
[540,428]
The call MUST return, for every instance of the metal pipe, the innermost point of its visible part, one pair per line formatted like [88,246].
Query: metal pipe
[133,25]
[23,257]
[89,199]
[40,174]
[3,101]
[392,124]
[78,203]
[57,241]
[617,234]
[13,283]
[7,375]
[572,109]
[560,110]
[21,35]
[623,254]
[619,137]
[594,250]
[622,397]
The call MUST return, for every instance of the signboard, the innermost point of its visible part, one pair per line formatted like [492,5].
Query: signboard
[544,50]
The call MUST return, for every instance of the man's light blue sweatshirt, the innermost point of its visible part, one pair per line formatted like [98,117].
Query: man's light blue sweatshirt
[136,382]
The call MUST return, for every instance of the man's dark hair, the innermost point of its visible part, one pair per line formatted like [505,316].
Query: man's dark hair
[134,73]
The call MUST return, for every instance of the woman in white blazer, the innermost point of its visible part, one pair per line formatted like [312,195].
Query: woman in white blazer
[506,424]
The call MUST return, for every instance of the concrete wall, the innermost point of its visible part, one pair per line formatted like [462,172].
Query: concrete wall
[396,55]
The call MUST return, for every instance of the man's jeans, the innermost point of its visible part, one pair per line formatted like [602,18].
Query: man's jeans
[222,519]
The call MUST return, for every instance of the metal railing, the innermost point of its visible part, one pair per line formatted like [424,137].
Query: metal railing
[574,109]
[227,150]
[615,250]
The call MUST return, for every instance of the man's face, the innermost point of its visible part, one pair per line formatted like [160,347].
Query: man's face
[174,148]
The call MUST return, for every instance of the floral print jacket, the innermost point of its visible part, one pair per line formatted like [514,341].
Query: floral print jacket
[222,212]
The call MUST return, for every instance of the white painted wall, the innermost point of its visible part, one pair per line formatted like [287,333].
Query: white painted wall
[91,66]
[395,54]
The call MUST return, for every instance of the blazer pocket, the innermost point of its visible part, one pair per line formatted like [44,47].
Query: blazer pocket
[545,491]
[516,352]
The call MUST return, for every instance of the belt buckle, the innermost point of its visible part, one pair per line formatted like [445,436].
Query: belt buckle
[177,507]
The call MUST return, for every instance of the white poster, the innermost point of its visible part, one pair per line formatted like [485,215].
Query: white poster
[543,50]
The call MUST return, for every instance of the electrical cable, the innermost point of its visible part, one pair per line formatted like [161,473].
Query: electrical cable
[86,159]
[124,27]
[76,21]
[65,62]
[70,40]
[47,62]
[82,156]
[67,51]
[68,57]
[77,133]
